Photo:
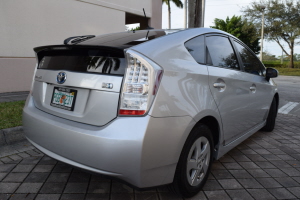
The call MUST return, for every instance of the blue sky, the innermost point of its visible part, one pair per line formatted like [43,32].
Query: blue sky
[217,9]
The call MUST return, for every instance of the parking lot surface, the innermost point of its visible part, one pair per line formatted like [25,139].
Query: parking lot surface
[265,166]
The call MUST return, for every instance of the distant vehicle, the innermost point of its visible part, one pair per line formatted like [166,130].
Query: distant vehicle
[149,107]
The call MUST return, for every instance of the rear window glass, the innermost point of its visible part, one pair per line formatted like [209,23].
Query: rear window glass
[84,60]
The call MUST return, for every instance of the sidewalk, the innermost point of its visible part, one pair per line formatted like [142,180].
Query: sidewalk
[265,166]
[13,96]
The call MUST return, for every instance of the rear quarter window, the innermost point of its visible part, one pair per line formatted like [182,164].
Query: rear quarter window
[196,48]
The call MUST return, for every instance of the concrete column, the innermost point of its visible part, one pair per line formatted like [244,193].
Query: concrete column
[156,19]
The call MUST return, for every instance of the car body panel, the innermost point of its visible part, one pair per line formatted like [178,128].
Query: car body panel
[189,95]
[223,149]
[130,148]
[144,150]
[264,91]
[92,99]
[233,102]
[80,80]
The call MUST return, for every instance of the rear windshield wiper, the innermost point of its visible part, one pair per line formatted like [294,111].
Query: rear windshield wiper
[77,39]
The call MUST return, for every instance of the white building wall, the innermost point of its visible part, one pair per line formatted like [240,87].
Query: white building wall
[25,24]
[131,6]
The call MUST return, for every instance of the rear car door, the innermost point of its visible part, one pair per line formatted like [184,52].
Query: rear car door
[229,86]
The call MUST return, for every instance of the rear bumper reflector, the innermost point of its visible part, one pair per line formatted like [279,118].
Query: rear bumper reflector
[132,112]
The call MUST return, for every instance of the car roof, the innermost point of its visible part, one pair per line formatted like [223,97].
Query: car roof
[128,39]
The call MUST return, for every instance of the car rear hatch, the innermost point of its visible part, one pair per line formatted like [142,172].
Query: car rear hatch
[79,83]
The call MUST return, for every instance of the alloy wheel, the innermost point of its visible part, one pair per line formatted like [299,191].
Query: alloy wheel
[198,161]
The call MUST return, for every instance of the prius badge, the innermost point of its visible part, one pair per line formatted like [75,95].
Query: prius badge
[61,77]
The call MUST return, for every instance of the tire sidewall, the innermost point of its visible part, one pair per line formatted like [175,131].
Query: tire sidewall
[270,122]
[184,187]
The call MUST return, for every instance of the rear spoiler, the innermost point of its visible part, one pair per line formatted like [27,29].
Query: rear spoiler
[67,47]
[44,50]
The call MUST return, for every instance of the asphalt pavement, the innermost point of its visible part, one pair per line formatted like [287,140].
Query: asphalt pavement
[289,88]
[289,94]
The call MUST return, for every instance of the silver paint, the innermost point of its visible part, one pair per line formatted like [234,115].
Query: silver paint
[144,151]
[131,148]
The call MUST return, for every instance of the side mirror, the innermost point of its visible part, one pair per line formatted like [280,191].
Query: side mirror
[271,73]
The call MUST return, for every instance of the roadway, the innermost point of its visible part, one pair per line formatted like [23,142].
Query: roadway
[289,94]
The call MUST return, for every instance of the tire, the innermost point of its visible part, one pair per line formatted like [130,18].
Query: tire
[193,169]
[270,124]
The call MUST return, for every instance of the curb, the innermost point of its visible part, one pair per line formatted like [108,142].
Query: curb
[11,135]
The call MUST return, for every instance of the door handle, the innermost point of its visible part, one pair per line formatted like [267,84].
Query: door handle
[219,85]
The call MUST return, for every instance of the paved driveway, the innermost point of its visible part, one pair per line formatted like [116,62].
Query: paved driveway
[266,166]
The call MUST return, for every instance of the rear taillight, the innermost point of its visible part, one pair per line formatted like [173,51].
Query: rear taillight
[140,84]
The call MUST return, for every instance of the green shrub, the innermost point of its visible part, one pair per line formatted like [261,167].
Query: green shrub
[277,63]
[274,65]
[288,71]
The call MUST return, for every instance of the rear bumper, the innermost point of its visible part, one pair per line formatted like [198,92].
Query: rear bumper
[142,151]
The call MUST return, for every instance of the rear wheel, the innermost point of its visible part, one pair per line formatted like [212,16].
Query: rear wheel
[194,164]
[270,124]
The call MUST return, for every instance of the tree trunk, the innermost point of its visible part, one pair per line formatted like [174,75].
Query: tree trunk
[195,13]
[185,14]
[169,12]
[191,13]
[291,64]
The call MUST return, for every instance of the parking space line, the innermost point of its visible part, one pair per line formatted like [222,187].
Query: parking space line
[287,107]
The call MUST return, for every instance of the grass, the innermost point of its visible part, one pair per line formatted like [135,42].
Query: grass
[284,65]
[283,69]
[11,114]
[288,71]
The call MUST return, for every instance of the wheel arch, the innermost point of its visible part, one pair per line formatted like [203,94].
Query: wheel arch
[213,124]
[210,123]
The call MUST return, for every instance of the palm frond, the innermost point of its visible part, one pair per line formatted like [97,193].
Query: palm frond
[178,3]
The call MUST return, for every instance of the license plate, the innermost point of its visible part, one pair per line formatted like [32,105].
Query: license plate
[63,98]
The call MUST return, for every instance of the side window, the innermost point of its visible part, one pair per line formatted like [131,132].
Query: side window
[221,53]
[251,62]
[196,48]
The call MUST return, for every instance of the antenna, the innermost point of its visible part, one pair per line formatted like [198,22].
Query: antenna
[148,27]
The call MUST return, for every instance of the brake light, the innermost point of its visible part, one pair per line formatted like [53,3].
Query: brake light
[140,84]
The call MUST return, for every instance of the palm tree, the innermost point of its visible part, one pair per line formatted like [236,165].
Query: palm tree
[178,3]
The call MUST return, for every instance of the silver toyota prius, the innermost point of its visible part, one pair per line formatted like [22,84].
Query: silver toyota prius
[150,107]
